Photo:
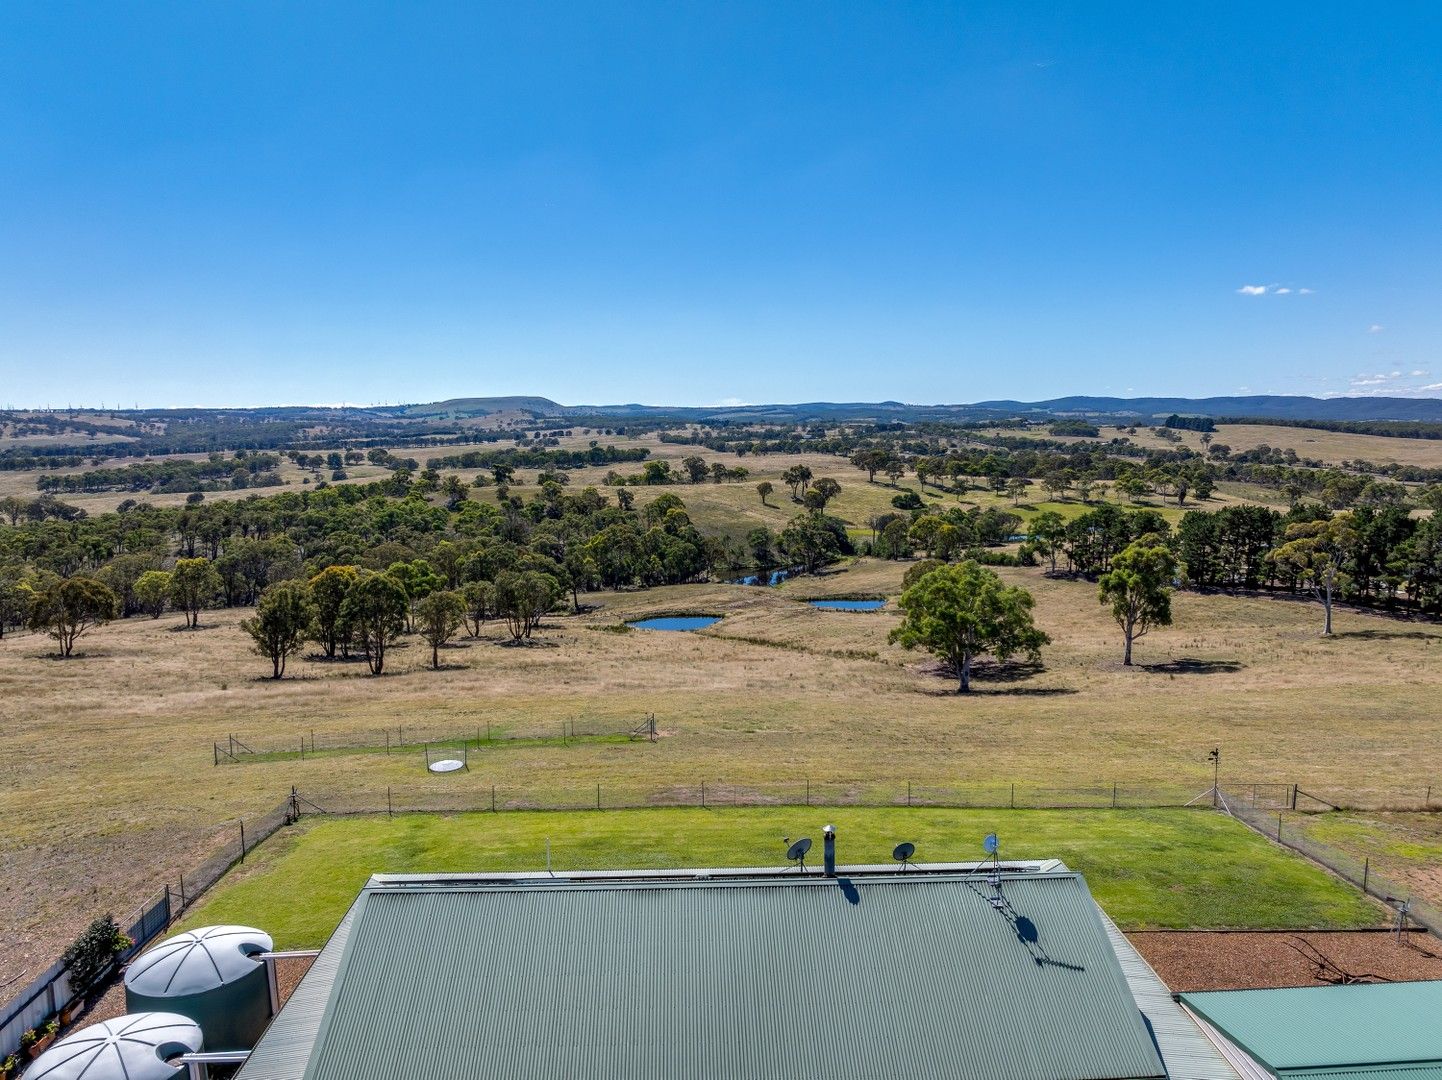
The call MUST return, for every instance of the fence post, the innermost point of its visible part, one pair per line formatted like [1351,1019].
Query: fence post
[1366,871]
[182,892]
[1294,796]
[167,903]
[1279,827]
[389,811]
[908,793]
[808,791]
[242,839]
[215,752]
[1013,796]
[388,740]
[1114,795]
[294,804]
[703,794]
[493,798]
[598,796]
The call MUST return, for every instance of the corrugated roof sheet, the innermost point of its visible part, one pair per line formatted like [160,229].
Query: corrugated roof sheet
[777,978]
[285,1047]
[1325,1030]
[1186,1051]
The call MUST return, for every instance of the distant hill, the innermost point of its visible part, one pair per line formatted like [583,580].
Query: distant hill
[482,406]
[1258,405]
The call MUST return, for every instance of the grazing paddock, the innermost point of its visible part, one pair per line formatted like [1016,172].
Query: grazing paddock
[1147,868]
[107,787]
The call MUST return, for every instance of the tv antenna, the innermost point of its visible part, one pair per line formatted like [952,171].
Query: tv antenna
[902,853]
[797,851]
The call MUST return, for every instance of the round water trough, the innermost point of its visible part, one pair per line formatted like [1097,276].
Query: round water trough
[446,765]
[137,1046]
[210,975]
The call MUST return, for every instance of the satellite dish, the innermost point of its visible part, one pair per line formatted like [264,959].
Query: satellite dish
[447,765]
[797,851]
[902,852]
[991,843]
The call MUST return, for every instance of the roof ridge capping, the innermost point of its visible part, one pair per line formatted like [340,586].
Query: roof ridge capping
[1010,870]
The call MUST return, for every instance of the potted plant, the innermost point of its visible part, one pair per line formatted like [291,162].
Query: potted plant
[9,1066]
[37,1040]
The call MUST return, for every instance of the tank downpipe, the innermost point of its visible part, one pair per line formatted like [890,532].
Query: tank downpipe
[197,1066]
[272,980]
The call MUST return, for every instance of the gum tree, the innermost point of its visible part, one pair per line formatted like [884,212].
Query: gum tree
[1138,587]
[958,613]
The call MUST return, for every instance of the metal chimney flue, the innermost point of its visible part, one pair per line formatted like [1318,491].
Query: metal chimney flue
[829,847]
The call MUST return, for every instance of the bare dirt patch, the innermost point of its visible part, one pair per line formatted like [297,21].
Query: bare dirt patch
[1201,960]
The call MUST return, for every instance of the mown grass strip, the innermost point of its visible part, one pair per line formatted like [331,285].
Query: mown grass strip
[1147,868]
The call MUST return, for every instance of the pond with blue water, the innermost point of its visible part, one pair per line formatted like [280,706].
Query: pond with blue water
[848,605]
[766,578]
[675,622]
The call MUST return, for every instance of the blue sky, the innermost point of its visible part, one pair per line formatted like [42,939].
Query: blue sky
[254,203]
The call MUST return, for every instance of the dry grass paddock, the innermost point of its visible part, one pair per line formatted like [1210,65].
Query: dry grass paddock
[107,785]
[1331,447]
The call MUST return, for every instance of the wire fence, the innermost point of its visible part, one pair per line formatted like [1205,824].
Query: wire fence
[466,797]
[1286,825]
[413,739]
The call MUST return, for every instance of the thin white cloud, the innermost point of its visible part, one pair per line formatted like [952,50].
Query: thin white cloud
[1418,374]
[1273,289]
[1375,328]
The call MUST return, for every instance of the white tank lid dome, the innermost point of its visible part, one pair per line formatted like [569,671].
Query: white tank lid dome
[197,961]
[132,1047]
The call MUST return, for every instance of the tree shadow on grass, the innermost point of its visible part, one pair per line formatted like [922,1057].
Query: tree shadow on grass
[1010,691]
[1389,635]
[1191,665]
[990,678]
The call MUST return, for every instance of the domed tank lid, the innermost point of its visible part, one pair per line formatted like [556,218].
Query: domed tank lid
[133,1047]
[197,961]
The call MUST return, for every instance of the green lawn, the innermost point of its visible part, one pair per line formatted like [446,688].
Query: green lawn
[1148,868]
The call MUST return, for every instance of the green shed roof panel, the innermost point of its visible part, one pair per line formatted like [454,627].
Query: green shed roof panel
[896,975]
[1331,1027]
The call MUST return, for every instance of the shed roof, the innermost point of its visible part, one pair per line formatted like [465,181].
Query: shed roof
[766,976]
[1375,1030]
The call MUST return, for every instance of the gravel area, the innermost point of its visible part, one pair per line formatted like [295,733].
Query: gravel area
[111,1004]
[1203,960]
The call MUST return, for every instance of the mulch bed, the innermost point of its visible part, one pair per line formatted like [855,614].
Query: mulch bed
[1208,960]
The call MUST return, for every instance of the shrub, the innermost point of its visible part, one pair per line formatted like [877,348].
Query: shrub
[90,955]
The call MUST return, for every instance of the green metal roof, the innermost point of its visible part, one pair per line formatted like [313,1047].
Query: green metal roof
[1333,1031]
[771,977]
